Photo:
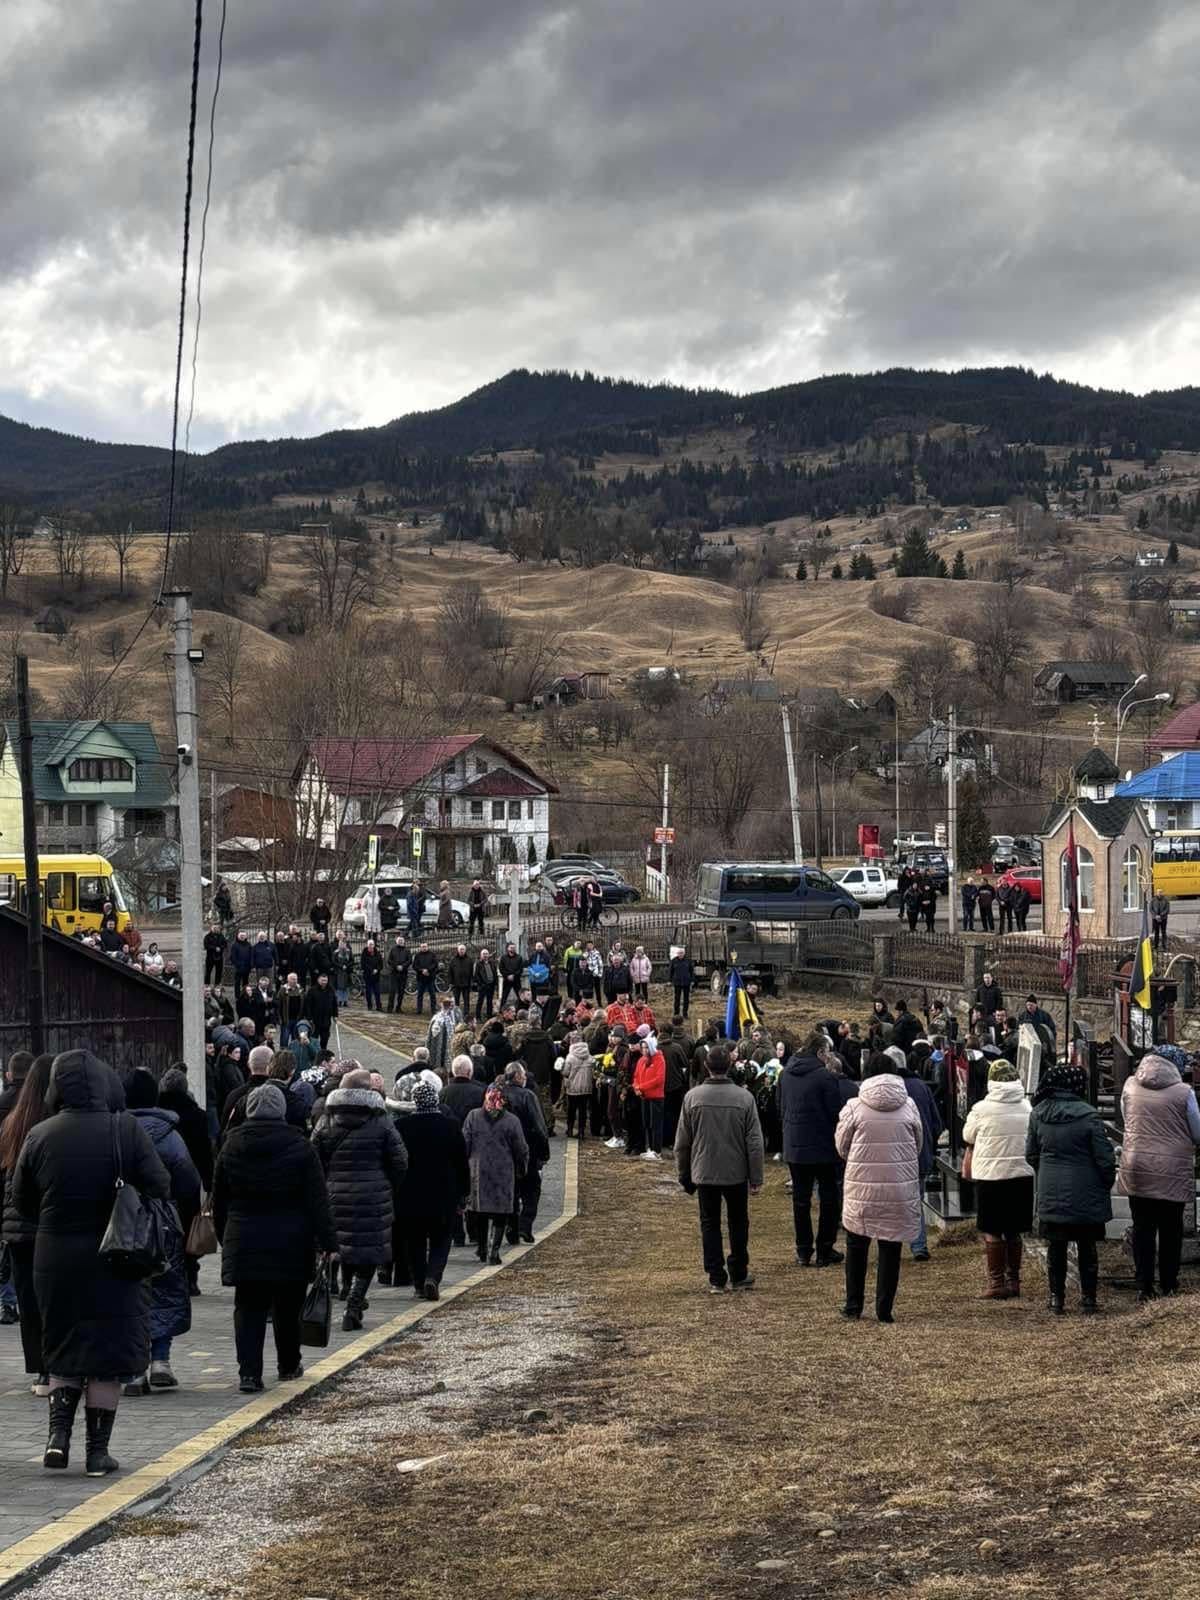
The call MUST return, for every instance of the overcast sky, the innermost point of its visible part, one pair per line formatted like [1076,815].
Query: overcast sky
[411,197]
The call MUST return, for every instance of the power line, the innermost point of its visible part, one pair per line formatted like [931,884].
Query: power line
[183,283]
[212,134]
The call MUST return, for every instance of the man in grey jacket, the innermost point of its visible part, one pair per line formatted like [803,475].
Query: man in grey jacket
[719,1156]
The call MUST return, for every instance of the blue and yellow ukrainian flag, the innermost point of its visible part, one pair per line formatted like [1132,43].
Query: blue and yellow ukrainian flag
[739,1009]
[1143,964]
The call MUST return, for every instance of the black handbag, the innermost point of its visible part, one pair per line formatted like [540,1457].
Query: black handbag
[143,1236]
[316,1317]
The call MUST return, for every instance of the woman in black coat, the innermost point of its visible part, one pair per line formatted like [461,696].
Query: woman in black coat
[271,1214]
[174,1095]
[95,1326]
[365,1162]
[434,1189]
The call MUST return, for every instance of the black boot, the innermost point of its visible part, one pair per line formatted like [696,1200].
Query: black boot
[356,1304]
[63,1404]
[497,1236]
[1056,1274]
[99,1432]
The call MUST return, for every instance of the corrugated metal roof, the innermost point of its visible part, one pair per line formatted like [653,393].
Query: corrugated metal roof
[1176,779]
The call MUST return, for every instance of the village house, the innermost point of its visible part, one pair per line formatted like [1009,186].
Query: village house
[1176,736]
[473,801]
[100,787]
[1169,792]
[1060,682]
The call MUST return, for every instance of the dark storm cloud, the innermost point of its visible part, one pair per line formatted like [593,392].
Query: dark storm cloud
[411,197]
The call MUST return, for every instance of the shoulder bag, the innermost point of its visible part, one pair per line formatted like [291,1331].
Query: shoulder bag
[142,1236]
[316,1317]
[202,1236]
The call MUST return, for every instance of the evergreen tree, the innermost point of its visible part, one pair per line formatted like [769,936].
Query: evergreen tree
[942,570]
[835,570]
[1143,518]
[959,569]
[916,559]
[973,846]
[867,567]
[801,571]
[856,565]
[1173,553]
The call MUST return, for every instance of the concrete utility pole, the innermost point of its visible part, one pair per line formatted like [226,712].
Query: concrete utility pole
[896,773]
[952,820]
[191,893]
[212,832]
[797,845]
[33,885]
[820,822]
[514,906]
[662,854]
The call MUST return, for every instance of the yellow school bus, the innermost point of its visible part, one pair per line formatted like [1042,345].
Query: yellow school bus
[1177,863]
[74,891]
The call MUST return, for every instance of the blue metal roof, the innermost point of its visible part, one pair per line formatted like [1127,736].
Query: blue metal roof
[1176,779]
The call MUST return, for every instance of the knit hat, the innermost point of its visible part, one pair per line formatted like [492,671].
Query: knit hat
[266,1104]
[643,1031]
[1062,1075]
[1003,1072]
[425,1097]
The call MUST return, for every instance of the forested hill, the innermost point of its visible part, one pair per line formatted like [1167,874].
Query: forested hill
[425,453]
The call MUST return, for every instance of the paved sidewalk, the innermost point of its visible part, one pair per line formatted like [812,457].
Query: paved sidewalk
[203,1361]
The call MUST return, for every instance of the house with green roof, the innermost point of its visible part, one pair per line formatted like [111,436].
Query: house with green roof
[100,787]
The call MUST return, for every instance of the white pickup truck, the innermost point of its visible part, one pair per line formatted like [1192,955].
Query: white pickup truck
[870,886]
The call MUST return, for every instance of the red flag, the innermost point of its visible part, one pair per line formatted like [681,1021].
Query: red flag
[1069,952]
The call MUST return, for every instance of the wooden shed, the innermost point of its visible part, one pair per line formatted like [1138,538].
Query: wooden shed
[92,1002]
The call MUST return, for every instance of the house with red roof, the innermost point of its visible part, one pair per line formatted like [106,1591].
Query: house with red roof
[445,806]
[1180,735]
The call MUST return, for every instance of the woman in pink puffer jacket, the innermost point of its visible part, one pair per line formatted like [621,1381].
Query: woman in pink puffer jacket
[878,1136]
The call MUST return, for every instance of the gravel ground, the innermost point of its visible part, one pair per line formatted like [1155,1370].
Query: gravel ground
[204,1541]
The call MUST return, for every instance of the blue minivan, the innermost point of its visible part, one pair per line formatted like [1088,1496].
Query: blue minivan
[770,891]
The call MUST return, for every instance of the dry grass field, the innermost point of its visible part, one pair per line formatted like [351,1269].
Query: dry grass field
[669,1445]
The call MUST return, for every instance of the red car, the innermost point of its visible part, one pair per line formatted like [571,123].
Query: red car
[1026,878]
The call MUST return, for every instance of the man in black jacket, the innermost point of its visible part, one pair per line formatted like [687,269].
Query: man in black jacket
[389,910]
[399,960]
[458,970]
[320,957]
[320,916]
[462,1094]
[321,1007]
[526,1107]
[810,1104]
[678,1059]
[436,1186]
[989,997]
[484,979]
[511,968]
[426,966]
[682,976]
[906,1027]
[214,954]
[477,903]
[370,964]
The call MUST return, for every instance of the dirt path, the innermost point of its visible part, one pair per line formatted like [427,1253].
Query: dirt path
[607,1431]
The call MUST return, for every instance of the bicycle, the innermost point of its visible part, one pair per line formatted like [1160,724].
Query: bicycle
[610,917]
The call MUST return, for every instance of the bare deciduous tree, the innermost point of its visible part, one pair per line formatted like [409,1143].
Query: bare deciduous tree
[13,546]
[93,690]
[224,668]
[121,542]
[1000,644]
[750,611]
[340,567]
[66,546]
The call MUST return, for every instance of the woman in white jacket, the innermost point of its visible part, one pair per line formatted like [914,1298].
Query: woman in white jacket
[995,1133]
[640,969]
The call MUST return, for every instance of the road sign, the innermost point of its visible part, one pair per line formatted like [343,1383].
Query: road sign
[664,835]
[418,843]
[372,854]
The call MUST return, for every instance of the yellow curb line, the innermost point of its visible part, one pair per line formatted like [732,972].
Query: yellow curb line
[19,1560]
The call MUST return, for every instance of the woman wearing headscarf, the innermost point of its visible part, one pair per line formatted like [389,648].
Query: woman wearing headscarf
[879,1136]
[19,1232]
[1158,1167]
[1069,1150]
[95,1326]
[364,1161]
[995,1132]
[271,1214]
[434,1190]
[170,1296]
[498,1155]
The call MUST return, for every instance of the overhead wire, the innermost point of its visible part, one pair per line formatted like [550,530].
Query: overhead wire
[212,136]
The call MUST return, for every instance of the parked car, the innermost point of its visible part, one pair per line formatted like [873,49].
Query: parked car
[870,886]
[354,913]
[1026,878]
[770,891]
[1004,848]
[934,862]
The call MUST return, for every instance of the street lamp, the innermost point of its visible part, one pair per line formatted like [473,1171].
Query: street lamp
[1123,717]
[1140,679]
[833,768]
